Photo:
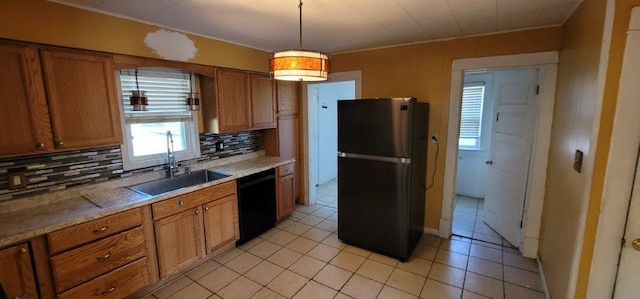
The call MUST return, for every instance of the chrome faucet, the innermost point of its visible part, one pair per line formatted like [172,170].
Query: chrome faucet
[172,165]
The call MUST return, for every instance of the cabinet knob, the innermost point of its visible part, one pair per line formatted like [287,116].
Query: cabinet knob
[97,231]
[197,212]
[110,290]
[206,208]
[23,250]
[60,144]
[40,145]
[181,203]
[104,257]
[23,296]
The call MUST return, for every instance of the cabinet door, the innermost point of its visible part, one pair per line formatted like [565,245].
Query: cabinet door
[286,201]
[288,144]
[287,95]
[179,240]
[221,222]
[262,102]
[232,98]
[82,99]
[17,277]
[23,107]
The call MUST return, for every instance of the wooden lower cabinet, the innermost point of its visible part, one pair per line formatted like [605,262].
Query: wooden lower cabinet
[221,222]
[188,235]
[104,258]
[286,201]
[119,283]
[16,274]
[179,241]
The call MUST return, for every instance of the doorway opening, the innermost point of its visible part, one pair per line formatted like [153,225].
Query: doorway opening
[323,130]
[546,64]
[320,139]
[497,121]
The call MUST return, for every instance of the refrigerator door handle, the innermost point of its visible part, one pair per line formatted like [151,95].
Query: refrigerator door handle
[400,160]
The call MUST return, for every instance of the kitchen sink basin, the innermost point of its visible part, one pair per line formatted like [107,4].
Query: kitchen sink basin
[178,182]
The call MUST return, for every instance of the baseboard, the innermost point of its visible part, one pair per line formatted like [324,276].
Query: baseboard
[542,278]
[431,231]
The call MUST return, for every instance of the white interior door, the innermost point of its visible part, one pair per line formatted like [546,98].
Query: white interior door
[511,138]
[627,285]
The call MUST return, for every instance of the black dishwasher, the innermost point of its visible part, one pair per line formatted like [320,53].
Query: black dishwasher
[256,204]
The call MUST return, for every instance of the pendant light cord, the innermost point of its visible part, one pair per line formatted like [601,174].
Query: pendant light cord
[300,7]
[190,82]
[137,87]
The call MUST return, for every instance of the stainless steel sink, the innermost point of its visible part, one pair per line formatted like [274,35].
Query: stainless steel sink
[182,181]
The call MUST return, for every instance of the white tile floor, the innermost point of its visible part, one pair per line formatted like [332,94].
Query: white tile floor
[302,258]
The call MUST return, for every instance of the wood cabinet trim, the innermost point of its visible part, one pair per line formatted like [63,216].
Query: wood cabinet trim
[167,264]
[131,62]
[221,231]
[18,259]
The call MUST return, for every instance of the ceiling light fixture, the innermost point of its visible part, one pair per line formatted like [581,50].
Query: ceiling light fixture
[299,65]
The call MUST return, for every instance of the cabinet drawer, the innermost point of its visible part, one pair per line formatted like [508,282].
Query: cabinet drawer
[84,263]
[83,233]
[118,283]
[285,170]
[185,202]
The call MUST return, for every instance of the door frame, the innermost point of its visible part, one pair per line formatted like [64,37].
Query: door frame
[618,179]
[547,64]
[308,195]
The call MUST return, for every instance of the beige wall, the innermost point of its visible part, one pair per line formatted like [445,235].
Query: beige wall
[576,96]
[424,71]
[614,68]
[55,24]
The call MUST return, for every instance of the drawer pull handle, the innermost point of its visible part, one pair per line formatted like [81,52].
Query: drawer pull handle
[104,257]
[20,297]
[181,203]
[110,290]
[97,231]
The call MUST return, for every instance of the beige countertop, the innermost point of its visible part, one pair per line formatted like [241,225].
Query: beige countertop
[58,210]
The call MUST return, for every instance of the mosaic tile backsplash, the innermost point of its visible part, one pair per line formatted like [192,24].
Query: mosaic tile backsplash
[57,171]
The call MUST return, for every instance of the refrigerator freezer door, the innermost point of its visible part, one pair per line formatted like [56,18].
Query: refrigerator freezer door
[377,127]
[372,206]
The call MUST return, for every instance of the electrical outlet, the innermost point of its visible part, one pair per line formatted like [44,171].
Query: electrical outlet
[434,137]
[17,180]
[219,146]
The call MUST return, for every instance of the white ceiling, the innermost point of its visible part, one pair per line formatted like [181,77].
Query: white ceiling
[337,25]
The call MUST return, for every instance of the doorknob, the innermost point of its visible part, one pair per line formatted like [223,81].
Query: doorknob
[488,162]
[636,244]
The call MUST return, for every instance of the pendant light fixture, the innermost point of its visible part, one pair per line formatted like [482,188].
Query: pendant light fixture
[299,65]
[138,98]
[193,98]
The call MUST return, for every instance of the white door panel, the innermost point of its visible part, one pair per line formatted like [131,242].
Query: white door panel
[628,279]
[511,138]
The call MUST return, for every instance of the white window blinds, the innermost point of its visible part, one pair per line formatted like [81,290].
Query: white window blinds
[165,90]
[471,112]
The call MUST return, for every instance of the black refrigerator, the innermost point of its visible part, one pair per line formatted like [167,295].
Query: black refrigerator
[382,162]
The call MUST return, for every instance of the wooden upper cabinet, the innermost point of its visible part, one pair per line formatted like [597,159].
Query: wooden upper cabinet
[17,278]
[232,99]
[23,106]
[262,101]
[287,95]
[82,98]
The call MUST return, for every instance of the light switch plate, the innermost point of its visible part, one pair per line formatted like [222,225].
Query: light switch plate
[577,161]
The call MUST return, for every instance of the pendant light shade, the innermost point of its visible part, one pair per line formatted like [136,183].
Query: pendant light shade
[299,65]
[193,98]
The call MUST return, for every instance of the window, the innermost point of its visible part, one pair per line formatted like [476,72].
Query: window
[471,116]
[145,132]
